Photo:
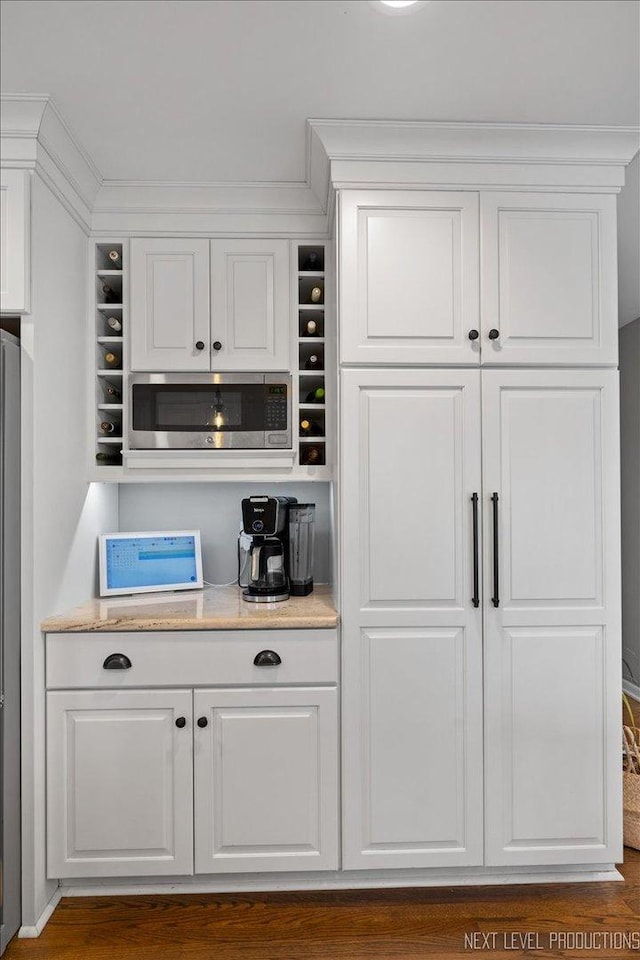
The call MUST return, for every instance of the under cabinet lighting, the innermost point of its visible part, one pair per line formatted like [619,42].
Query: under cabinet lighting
[397,6]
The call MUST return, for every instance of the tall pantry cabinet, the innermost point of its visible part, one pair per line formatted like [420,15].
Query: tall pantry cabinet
[480,528]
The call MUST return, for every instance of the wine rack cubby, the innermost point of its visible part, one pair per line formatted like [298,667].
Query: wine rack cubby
[312,356]
[109,301]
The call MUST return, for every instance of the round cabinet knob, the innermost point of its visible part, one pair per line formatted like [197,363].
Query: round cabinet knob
[199,344]
[494,334]
[202,721]
[217,345]
[267,658]
[473,334]
[181,722]
[117,661]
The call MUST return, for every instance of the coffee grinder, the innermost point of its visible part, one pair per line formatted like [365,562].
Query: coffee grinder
[266,519]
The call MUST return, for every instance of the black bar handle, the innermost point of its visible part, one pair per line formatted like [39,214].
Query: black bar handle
[117,661]
[495,599]
[476,573]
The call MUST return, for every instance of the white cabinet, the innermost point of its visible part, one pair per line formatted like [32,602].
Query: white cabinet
[552,641]
[250,304]
[237,777]
[169,311]
[15,254]
[549,279]
[199,305]
[550,602]
[409,268]
[119,783]
[266,780]
[412,654]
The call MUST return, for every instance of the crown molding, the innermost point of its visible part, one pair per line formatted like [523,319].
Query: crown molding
[36,135]
[368,152]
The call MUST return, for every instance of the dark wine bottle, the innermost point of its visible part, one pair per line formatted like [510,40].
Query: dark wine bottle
[315,396]
[310,428]
[312,261]
[314,362]
[110,295]
[107,427]
[109,458]
[311,455]
[113,394]
[115,259]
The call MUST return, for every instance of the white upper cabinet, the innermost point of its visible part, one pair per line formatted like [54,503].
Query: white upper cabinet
[198,305]
[169,305]
[14,241]
[409,288]
[552,628]
[549,281]
[249,305]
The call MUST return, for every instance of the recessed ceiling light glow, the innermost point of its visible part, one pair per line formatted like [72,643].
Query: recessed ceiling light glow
[397,6]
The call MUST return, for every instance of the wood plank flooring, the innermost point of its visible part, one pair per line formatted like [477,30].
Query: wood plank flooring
[411,924]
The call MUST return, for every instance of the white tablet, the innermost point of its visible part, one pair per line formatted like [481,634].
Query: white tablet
[150,562]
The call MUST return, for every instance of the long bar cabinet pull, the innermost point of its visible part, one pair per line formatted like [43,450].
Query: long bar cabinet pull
[495,599]
[476,575]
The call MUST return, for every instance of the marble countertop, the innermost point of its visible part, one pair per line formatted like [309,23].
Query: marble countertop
[214,608]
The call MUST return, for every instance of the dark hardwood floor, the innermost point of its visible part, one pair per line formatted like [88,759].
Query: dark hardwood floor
[354,925]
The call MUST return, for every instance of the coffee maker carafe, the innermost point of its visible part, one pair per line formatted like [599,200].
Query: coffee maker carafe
[266,520]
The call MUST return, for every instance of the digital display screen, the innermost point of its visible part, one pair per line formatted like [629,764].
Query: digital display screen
[280,389]
[154,561]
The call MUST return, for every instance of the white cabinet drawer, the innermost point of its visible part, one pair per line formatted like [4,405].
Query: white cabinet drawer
[191,658]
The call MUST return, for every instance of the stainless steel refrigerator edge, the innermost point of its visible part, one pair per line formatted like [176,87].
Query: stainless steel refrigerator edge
[10,852]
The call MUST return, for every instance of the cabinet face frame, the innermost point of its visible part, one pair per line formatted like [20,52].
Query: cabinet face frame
[230,801]
[15,246]
[536,249]
[409,637]
[437,220]
[78,808]
[552,663]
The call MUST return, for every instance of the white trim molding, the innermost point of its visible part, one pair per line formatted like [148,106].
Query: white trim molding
[31,932]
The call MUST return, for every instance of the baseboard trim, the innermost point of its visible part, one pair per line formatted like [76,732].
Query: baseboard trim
[366,880]
[631,689]
[29,933]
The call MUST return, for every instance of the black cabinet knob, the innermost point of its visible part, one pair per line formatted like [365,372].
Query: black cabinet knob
[494,334]
[473,334]
[200,345]
[202,721]
[267,658]
[217,345]
[181,722]
[117,661]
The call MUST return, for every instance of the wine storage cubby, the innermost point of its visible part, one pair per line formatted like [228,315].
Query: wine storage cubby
[109,308]
[312,356]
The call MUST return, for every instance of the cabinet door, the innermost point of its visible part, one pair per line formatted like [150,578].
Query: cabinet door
[169,305]
[552,634]
[250,318]
[14,241]
[119,783]
[266,794]
[409,265]
[549,282]
[412,649]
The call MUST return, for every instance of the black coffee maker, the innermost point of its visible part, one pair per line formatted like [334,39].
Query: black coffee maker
[266,519]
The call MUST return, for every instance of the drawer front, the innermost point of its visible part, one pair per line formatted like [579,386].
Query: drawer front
[196,658]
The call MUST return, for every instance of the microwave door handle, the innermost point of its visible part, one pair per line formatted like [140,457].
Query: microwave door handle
[255,563]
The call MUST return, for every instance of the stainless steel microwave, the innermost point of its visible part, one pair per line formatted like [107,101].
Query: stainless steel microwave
[209,411]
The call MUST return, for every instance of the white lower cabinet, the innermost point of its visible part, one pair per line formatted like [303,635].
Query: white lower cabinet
[171,782]
[119,783]
[266,793]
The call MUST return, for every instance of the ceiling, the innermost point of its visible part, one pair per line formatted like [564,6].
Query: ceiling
[196,90]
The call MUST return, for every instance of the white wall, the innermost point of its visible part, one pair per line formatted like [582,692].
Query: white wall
[214,509]
[630,463]
[629,245]
[61,512]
